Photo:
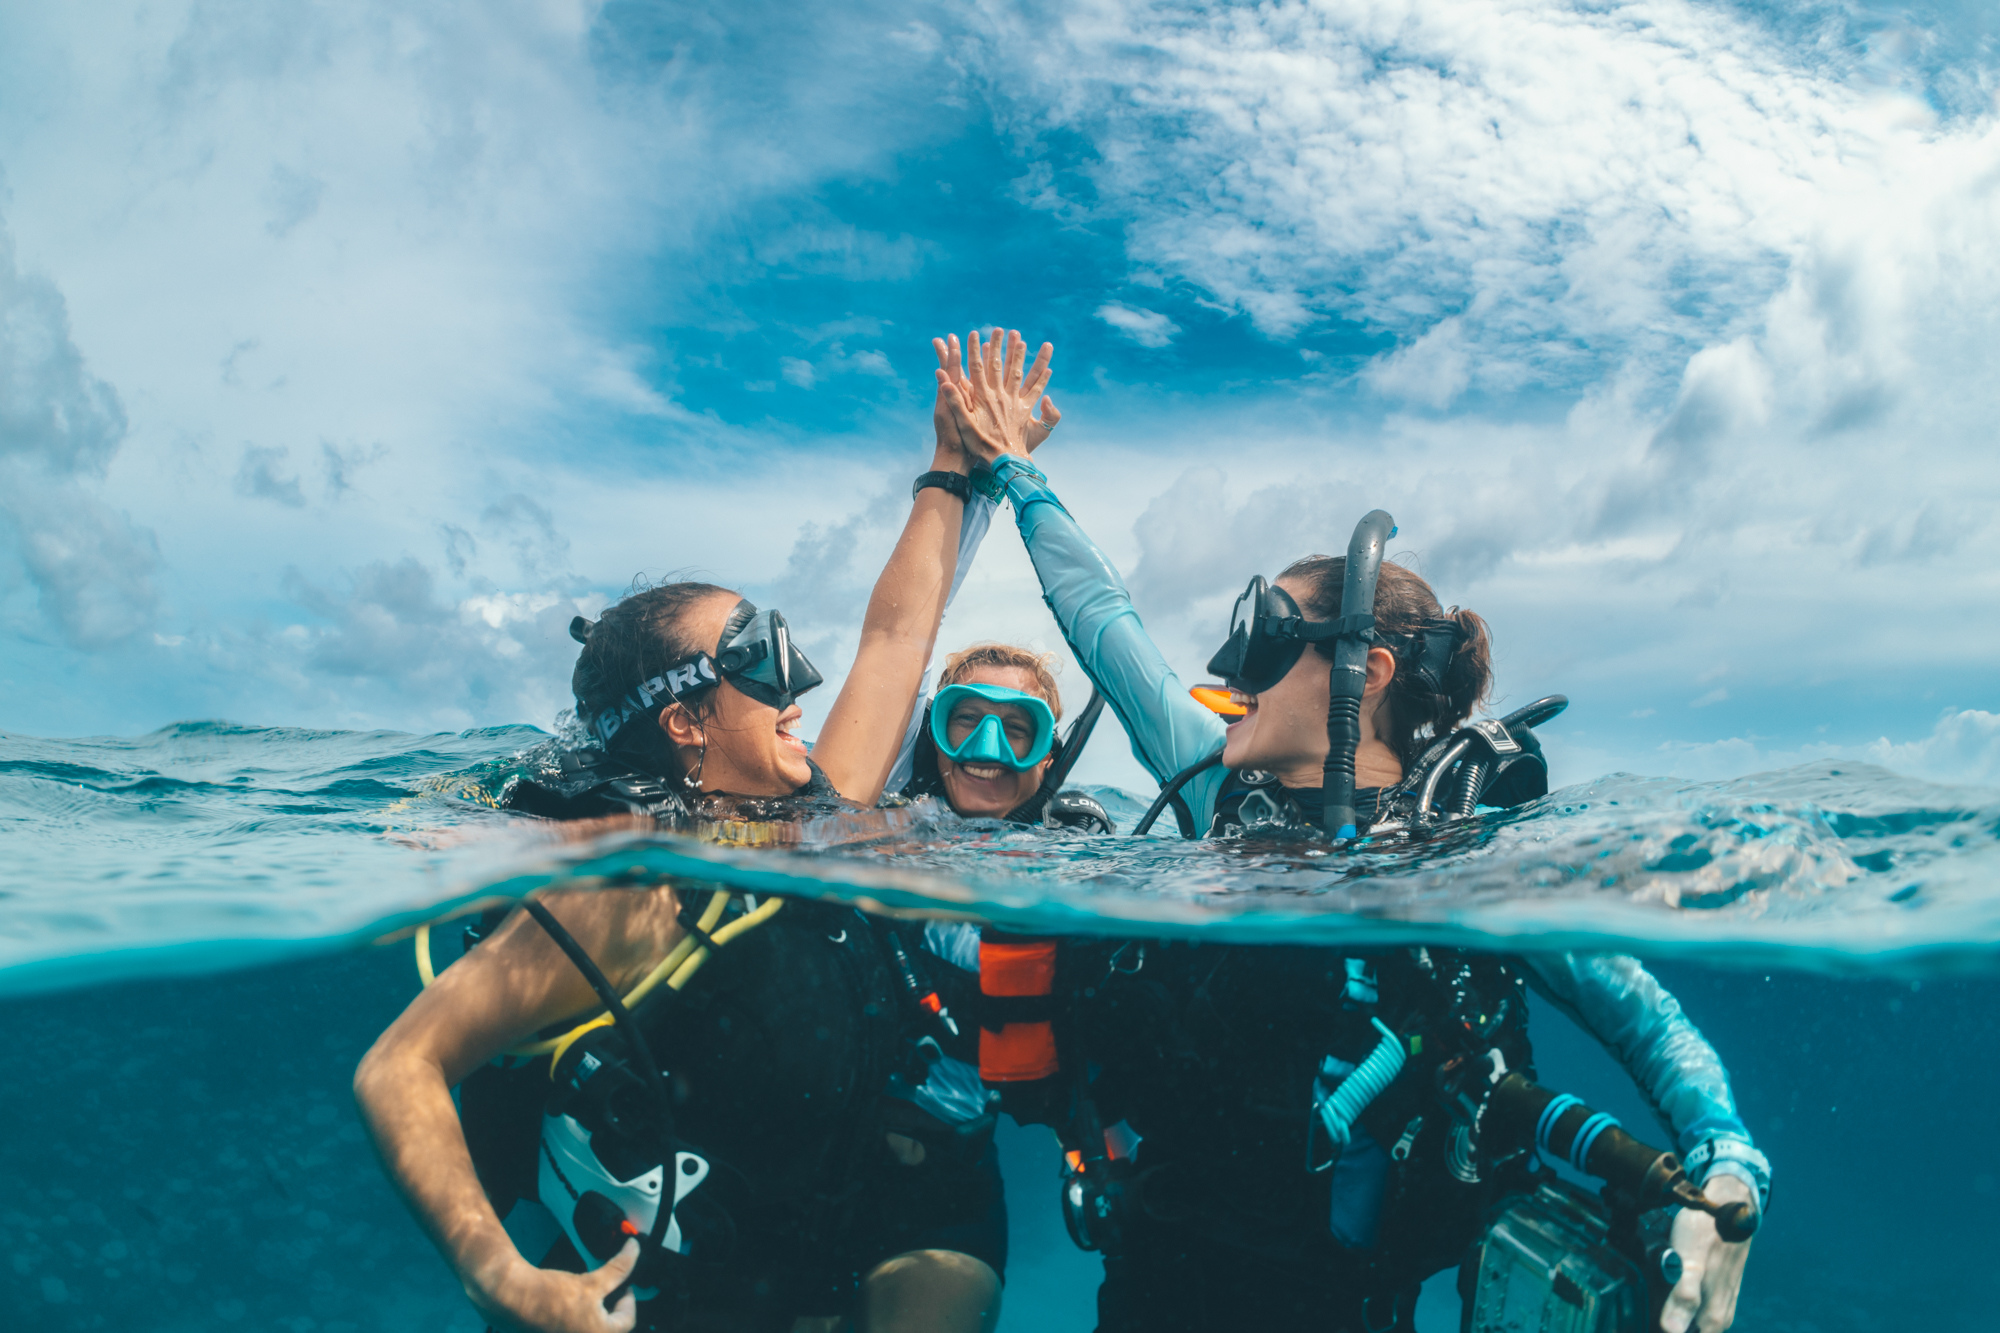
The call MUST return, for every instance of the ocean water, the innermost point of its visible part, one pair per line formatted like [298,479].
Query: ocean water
[201,930]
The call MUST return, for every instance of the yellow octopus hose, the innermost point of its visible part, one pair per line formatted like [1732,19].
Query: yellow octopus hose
[676,969]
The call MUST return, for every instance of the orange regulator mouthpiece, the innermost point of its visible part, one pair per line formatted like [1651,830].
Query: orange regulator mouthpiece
[1215,698]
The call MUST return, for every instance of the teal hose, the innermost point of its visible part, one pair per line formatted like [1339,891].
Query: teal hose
[1339,1108]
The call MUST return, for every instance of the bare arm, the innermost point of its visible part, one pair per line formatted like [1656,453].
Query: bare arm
[513,985]
[858,744]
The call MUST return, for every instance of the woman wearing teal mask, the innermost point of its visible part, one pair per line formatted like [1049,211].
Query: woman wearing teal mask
[993,727]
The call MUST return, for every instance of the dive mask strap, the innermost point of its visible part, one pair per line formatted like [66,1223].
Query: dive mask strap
[649,696]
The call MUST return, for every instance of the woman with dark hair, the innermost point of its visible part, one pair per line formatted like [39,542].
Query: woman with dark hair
[800,1197]
[1249,1203]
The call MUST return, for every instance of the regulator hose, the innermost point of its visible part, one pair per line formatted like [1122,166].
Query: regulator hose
[1173,789]
[1338,1109]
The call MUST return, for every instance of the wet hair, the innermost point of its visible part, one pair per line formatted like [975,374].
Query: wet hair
[634,640]
[1413,713]
[968,660]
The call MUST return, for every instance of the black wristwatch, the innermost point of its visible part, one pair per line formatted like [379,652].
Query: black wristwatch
[954,482]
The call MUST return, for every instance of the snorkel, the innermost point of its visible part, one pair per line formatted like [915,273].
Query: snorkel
[1348,679]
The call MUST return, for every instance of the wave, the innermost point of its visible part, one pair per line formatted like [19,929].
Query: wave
[206,845]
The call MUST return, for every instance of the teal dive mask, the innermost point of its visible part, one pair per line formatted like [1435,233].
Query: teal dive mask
[986,737]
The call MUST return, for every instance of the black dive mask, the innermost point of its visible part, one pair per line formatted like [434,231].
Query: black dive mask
[755,653]
[1266,635]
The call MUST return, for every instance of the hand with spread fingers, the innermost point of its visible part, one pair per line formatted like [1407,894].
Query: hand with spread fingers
[987,396]
[1704,1300]
[537,1300]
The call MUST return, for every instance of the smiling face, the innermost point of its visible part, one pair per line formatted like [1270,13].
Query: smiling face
[740,746]
[988,791]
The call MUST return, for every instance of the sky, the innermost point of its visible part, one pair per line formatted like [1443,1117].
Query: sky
[348,350]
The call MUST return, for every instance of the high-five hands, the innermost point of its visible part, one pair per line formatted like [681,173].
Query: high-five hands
[986,398]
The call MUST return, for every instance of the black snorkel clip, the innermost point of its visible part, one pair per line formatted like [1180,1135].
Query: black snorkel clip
[1348,680]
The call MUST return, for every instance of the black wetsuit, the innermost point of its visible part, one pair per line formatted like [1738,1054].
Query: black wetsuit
[778,1054]
[1210,1052]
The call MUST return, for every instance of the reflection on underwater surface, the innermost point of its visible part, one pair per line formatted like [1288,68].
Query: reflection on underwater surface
[182,1154]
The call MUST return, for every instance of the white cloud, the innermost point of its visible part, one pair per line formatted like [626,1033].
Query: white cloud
[354,272]
[1148,328]
[1962,747]
[89,567]
[1635,172]
[1695,327]
[1430,372]
[873,363]
[1710,310]
[796,372]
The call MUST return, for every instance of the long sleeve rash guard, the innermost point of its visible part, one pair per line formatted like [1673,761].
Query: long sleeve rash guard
[1614,998]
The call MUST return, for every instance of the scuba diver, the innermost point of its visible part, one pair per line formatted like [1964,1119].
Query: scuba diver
[986,744]
[1284,1137]
[676,1105]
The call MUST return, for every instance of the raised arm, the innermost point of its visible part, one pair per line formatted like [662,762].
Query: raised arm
[971,534]
[859,744]
[1169,730]
[511,986]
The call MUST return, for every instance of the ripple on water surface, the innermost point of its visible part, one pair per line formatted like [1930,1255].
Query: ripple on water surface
[204,845]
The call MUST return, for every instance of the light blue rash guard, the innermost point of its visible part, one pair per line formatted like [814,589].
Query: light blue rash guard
[1612,997]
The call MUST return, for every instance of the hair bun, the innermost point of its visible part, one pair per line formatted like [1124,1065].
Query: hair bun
[579,629]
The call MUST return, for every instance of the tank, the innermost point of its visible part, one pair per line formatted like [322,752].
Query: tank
[1546,1266]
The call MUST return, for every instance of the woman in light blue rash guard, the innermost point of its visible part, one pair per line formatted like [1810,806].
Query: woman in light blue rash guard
[1208,1052]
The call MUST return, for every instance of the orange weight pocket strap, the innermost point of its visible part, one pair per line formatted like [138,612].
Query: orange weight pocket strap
[1017,980]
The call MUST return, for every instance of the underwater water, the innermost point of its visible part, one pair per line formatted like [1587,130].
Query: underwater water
[188,978]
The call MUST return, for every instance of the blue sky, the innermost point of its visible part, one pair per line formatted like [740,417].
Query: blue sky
[348,350]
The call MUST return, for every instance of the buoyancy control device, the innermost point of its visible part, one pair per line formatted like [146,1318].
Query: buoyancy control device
[1423,1117]
[611,1147]
[1238,1071]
